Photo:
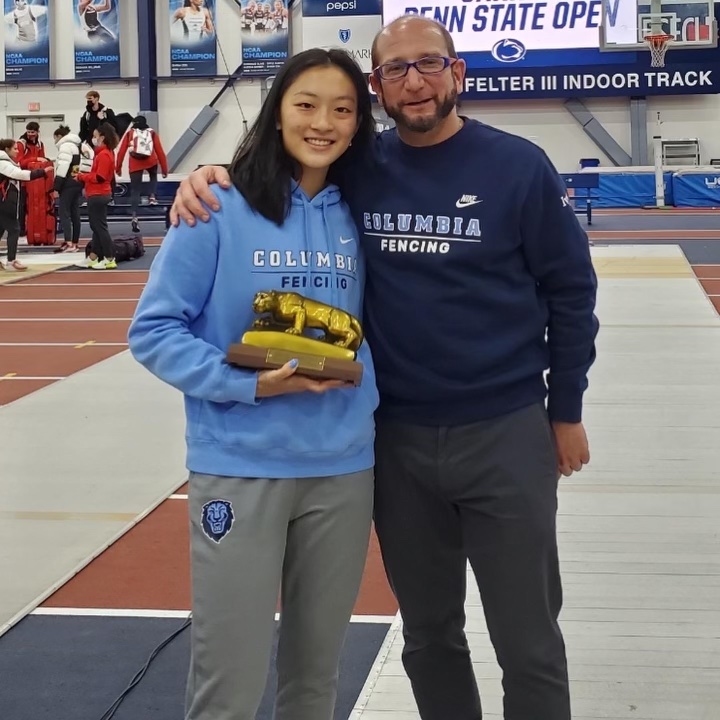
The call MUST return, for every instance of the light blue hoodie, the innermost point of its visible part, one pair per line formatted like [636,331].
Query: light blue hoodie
[197,302]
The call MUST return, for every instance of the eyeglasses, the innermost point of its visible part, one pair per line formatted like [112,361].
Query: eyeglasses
[425,66]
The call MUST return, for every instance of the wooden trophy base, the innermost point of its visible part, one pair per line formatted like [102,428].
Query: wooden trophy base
[269,350]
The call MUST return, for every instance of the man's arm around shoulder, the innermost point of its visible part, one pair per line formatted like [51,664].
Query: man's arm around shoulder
[195,190]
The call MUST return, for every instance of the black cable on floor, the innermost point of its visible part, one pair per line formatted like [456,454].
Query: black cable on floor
[110,712]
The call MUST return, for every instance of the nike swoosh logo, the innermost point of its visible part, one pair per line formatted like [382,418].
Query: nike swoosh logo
[345,241]
[465,203]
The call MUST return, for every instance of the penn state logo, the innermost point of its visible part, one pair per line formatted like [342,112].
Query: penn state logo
[217,519]
[344,35]
[508,50]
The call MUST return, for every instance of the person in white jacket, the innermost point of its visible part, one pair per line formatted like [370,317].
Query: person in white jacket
[73,156]
[11,175]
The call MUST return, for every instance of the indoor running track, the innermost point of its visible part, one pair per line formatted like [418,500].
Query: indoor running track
[91,636]
[136,593]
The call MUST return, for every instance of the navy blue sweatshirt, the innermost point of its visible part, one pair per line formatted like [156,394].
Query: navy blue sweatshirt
[479,278]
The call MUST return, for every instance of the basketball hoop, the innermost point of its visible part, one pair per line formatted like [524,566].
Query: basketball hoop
[658,45]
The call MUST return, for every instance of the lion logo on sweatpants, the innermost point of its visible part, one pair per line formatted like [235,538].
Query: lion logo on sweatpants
[217,519]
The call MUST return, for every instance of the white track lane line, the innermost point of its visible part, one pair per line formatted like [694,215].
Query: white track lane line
[153,613]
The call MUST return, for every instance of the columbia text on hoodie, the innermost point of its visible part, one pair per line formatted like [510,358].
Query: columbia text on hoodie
[198,301]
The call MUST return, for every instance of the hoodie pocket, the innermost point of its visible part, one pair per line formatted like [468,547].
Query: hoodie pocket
[303,424]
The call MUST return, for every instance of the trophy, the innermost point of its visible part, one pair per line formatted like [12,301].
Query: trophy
[279,335]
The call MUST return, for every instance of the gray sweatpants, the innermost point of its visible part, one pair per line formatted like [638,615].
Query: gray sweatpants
[249,537]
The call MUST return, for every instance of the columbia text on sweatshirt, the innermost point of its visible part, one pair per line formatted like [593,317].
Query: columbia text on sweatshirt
[198,301]
[474,253]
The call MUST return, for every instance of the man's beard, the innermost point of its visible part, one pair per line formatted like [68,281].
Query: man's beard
[443,108]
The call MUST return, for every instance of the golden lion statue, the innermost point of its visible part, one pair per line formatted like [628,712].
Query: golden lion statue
[299,312]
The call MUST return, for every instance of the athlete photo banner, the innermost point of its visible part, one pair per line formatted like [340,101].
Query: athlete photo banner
[97,39]
[193,39]
[265,37]
[27,44]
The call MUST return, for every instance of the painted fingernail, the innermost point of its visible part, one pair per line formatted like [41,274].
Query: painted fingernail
[294,363]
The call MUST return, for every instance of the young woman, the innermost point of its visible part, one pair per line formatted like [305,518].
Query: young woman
[149,153]
[98,191]
[66,186]
[281,477]
[90,22]
[11,175]
[195,21]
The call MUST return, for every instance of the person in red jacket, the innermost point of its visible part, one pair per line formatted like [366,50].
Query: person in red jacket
[30,148]
[98,191]
[146,153]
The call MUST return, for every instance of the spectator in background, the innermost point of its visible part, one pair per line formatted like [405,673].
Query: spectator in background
[30,148]
[95,114]
[99,194]
[73,156]
[10,176]
[146,153]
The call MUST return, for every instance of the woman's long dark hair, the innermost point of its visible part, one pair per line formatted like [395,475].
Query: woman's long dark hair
[108,134]
[262,170]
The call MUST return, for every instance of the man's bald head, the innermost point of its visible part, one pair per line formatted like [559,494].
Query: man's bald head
[404,26]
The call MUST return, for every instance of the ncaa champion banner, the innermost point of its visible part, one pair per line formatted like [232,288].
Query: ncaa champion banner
[193,39]
[349,25]
[97,39]
[264,30]
[27,44]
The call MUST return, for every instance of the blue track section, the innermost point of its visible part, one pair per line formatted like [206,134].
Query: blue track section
[73,668]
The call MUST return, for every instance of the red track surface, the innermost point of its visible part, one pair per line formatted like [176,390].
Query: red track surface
[66,321]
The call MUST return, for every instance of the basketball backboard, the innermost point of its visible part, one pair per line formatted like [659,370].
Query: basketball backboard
[625,23]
